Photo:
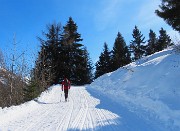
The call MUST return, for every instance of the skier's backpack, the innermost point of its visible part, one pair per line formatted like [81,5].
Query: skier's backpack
[66,83]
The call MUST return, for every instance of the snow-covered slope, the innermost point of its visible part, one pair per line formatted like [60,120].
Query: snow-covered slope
[149,87]
[142,96]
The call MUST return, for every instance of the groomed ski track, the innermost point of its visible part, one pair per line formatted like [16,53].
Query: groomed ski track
[51,113]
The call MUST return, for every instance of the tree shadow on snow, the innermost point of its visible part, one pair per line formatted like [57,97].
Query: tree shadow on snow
[129,121]
[40,102]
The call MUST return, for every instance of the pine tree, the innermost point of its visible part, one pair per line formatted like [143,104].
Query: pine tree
[83,72]
[46,64]
[76,62]
[136,45]
[170,13]
[151,47]
[70,35]
[62,55]
[163,41]
[41,70]
[120,53]
[104,64]
[72,49]
[30,92]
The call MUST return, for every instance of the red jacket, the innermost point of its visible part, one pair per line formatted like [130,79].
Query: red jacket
[65,85]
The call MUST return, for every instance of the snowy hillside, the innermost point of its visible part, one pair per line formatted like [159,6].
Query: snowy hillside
[149,87]
[142,96]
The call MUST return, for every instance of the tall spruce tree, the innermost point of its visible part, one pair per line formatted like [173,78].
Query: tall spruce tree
[151,47]
[170,13]
[103,65]
[163,40]
[62,55]
[84,70]
[70,35]
[120,53]
[72,50]
[74,64]
[48,56]
[136,45]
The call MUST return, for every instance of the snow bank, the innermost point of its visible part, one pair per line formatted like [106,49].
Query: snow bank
[149,87]
[13,112]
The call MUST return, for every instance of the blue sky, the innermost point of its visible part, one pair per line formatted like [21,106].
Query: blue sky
[98,21]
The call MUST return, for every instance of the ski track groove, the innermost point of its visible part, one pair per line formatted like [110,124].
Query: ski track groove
[89,111]
[40,122]
[79,113]
[45,123]
[104,120]
[61,120]
[110,123]
[62,124]
[85,105]
[81,117]
[35,122]
[77,119]
[101,112]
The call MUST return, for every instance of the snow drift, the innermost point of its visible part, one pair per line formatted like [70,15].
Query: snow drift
[149,87]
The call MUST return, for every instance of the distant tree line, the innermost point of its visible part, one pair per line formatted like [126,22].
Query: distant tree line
[121,54]
[169,11]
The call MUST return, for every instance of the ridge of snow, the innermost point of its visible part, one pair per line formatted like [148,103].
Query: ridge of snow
[149,86]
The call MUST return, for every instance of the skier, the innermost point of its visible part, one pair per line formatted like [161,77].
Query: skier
[66,86]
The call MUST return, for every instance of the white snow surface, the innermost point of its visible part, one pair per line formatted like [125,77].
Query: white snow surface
[142,96]
[149,88]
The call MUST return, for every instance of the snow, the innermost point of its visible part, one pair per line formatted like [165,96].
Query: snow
[150,88]
[51,112]
[142,96]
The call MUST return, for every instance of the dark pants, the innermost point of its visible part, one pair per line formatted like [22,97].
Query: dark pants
[66,93]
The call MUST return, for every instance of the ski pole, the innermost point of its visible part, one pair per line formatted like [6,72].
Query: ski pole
[69,95]
[61,96]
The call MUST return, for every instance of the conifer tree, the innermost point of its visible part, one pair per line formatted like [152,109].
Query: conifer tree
[103,65]
[48,56]
[120,53]
[151,47]
[136,45]
[76,62]
[70,35]
[30,92]
[83,72]
[62,55]
[170,13]
[163,40]
[72,49]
